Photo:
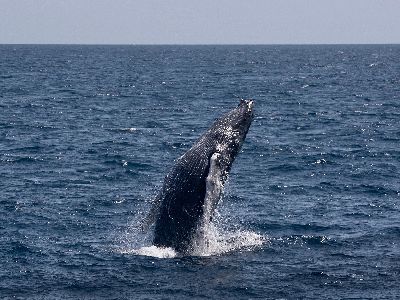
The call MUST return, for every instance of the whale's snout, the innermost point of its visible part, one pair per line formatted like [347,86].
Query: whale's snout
[248,104]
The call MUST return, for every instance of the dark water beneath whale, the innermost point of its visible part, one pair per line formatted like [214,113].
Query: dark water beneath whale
[311,210]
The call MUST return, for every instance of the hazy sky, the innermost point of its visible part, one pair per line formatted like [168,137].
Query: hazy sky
[199,22]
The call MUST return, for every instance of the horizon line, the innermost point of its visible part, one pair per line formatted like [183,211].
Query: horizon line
[198,44]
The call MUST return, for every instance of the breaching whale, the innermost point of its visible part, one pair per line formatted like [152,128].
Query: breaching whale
[193,187]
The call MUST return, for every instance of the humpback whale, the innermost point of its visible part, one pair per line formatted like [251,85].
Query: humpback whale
[193,187]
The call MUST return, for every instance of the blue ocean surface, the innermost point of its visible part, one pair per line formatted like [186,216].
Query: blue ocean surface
[311,209]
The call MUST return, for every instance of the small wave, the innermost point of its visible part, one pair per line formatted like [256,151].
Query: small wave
[20,159]
[126,130]
[315,240]
[285,168]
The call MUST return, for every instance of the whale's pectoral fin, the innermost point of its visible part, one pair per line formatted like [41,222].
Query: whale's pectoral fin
[151,217]
[214,186]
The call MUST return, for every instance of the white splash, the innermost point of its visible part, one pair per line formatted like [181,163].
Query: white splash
[213,238]
[153,251]
[214,241]
[210,241]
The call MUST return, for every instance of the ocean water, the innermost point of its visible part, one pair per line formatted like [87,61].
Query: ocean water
[311,210]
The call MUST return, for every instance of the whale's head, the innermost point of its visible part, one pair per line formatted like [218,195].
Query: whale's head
[240,118]
[229,131]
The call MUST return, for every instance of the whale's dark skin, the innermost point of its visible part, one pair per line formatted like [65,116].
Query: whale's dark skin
[179,206]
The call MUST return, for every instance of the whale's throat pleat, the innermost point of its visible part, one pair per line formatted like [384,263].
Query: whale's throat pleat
[214,187]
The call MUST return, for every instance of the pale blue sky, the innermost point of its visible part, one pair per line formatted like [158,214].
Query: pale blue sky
[199,22]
